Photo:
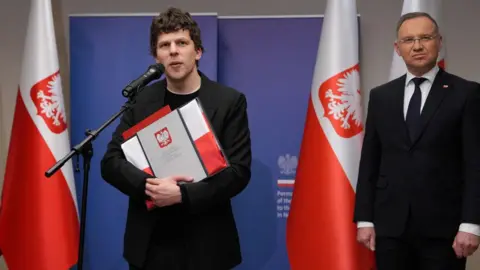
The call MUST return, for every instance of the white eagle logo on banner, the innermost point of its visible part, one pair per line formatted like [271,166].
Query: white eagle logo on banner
[288,164]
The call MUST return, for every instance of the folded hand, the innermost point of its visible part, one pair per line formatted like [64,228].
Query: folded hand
[465,244]
[165,191]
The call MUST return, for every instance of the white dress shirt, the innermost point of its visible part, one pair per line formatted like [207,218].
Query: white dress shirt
[425,89]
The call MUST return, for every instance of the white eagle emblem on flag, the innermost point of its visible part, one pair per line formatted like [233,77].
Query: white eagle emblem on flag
[342,101]
[48,99]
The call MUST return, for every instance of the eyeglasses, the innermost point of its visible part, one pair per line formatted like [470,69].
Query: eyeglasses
[422,39]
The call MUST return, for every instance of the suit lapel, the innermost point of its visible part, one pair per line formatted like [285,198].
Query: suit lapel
[207,97]
[398,100]
[435,97]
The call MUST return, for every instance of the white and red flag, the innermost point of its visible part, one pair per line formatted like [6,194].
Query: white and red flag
[39,225]
[321,233]
[434,9]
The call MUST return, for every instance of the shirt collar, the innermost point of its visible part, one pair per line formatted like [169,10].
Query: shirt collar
[430,76]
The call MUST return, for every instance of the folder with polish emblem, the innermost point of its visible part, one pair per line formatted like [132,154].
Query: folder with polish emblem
[179,142]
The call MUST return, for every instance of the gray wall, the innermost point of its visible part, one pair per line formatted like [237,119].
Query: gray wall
[377,23]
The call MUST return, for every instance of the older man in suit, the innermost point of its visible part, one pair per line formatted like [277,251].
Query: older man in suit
[418,192]
[192,227]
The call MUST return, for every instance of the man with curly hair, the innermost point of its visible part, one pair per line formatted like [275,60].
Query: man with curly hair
[192,225]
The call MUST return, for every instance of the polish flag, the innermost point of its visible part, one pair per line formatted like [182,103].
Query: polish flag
[321,233]
[39,225]
[434,9]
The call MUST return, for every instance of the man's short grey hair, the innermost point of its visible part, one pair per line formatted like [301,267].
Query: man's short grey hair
[412,15]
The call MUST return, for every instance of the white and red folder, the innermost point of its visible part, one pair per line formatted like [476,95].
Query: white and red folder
[179,142]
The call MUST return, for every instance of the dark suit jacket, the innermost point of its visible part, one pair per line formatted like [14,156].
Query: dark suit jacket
[205,216]
[436,176]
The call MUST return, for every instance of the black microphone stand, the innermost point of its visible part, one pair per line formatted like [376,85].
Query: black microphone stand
[85,148]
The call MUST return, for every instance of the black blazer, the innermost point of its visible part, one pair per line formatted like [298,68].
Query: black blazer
[205,219]
[433,182]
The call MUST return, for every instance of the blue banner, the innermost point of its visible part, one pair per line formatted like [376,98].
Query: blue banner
[269,59]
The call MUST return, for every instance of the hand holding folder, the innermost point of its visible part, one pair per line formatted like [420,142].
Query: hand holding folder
[165,191]
[179,142]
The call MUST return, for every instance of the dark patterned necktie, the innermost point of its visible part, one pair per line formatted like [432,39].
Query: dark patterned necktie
[414,108]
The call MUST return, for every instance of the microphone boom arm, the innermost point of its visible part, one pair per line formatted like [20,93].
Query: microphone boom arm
[85,148]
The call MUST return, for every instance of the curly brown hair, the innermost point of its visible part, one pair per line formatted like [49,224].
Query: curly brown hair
[172,20]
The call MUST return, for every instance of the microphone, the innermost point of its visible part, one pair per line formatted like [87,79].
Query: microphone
[153,72]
